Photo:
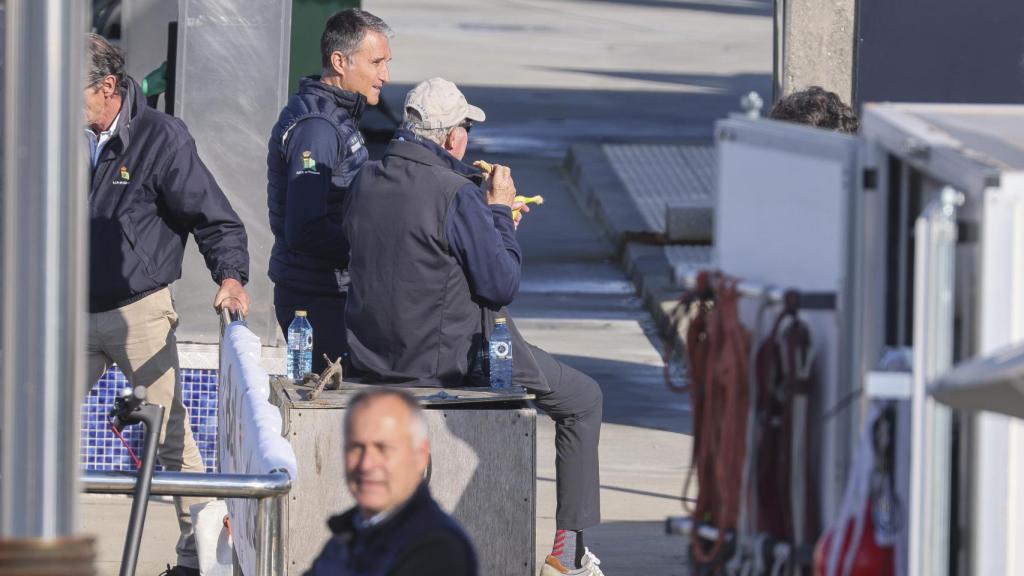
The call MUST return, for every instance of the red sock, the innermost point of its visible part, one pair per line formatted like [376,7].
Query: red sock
[568,547]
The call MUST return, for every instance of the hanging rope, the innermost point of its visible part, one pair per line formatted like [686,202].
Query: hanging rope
[718,349]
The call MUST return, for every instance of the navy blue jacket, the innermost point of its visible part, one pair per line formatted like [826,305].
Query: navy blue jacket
[482,237]
[419,540]
[315,151]
[149,191]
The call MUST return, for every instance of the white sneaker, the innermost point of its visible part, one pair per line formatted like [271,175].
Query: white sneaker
[553,567]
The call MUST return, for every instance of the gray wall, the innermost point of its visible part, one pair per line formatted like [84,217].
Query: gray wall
[144,34]
[232,80]
[940,51]
[817,45]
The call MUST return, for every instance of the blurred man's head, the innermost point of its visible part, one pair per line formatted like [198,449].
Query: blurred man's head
[386,449]
[105,82]
[355,53]
[436,110]
[817,107]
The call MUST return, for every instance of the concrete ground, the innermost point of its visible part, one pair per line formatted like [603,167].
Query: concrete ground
[550,73]
[576,303]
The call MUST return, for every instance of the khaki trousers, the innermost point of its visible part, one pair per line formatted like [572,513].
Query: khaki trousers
[139,338]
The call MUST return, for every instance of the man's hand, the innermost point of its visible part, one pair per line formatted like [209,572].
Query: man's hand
[232,295]
[518,209]
[500,188]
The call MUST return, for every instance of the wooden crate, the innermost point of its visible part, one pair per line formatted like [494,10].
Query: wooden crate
[483,469]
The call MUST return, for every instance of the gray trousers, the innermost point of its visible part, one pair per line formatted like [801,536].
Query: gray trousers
[575,403]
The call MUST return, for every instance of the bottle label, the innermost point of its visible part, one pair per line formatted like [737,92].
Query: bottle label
[501,350]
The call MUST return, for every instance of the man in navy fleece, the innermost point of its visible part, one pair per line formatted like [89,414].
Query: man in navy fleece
[433,259]
[314,152]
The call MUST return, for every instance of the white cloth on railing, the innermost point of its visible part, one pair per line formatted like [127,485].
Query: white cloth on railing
[249,432]
[249,425]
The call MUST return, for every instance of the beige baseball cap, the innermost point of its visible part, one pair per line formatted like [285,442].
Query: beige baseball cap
[440,104]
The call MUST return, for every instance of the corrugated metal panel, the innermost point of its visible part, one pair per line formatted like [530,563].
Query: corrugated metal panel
[656,175]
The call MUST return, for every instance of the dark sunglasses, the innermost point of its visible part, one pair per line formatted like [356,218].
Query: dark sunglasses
[467,125]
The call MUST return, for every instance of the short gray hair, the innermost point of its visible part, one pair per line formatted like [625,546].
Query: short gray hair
[419,420]
[435,135]
[344,31]
[105,59]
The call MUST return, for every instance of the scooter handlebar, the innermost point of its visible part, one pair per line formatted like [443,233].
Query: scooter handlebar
[129,402]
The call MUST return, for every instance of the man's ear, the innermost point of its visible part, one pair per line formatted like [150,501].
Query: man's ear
[339,63]
[109,85]
[423,451]
[449,140]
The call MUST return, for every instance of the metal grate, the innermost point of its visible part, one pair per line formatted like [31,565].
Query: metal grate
[656,175]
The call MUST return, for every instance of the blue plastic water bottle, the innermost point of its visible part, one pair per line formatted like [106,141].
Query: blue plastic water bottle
[501,355]
[300,347]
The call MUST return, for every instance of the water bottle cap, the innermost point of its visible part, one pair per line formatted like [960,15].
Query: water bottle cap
[300,313]
[500,320]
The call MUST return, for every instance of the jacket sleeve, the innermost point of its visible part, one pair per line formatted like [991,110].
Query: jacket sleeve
[483,240]
[197,204]
[312,148]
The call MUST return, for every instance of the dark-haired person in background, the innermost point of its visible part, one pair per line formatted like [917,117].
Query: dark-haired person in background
[315,151]
[817,107]
[149,191]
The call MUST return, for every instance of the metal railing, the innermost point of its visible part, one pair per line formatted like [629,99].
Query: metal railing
[268,489]
[773,294]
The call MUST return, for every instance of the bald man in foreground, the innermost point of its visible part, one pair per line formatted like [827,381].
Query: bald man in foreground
[396,527]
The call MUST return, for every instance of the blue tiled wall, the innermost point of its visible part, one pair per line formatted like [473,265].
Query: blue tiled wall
[101,450]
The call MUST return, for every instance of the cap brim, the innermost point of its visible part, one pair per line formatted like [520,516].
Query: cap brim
[475,114]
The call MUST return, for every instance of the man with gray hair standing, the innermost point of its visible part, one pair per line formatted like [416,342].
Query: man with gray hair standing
[149,191]
[315,151]
[434,261]
[396,528]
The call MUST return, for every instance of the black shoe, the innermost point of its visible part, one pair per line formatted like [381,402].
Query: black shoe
[180,571]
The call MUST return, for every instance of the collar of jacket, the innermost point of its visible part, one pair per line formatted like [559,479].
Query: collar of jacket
[351,102]
[132,103]
[411,147]
[346,523]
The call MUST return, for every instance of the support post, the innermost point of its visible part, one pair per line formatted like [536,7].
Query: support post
[931,427]
[42,331]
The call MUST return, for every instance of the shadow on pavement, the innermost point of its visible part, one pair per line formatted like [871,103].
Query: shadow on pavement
[635,394]
[625,546]
[736,7]
[544,121]
[736,84]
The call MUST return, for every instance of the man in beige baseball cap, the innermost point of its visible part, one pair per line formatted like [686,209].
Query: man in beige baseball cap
[434,261]
[438,103]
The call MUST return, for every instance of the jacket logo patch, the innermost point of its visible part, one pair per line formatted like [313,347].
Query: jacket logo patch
[308,164]
[125,176]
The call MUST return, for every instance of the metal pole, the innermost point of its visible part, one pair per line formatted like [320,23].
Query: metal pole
[270,536]
[151,415]
[931,429]
[279,538]
[265,542]
[191,484]
[44,274]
